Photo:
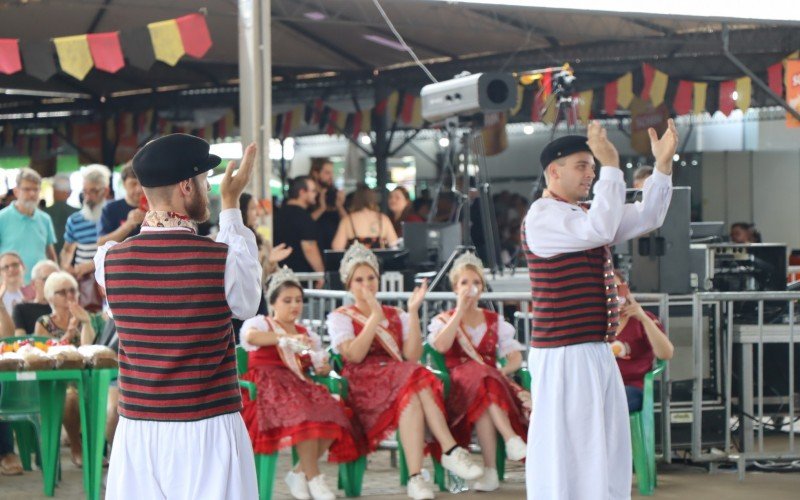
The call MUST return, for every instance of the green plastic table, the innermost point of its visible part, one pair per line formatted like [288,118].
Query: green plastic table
[92,385]
[52,390]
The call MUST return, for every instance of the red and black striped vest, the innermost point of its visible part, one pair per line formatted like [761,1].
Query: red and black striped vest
[176,349]
[574,297]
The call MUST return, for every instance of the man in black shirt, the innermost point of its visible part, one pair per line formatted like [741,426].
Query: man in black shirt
[295,227]
[328,209]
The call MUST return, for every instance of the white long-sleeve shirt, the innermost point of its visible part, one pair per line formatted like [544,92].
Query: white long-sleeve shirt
[242,267]
[553,227]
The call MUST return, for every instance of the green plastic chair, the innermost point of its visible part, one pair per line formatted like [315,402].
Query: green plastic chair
[643,435]
[266,465]
[20,406]
[436,359]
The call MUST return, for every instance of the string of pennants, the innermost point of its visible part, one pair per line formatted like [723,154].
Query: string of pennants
[656,87]
[166,41]
[126,130]
[403,106]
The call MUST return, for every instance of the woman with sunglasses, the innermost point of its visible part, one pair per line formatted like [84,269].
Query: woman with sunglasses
[68,323]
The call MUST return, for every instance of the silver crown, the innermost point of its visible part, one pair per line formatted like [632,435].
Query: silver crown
[354,256]
[467,259]
[279,277]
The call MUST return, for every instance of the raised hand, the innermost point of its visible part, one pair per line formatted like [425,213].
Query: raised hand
[78,312]
[415,301]
[664,148]
[232,185]
[279,253]
[374,305]
[601,147]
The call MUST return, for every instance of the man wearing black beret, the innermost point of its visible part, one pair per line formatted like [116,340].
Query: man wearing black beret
[579,439]
[172,294]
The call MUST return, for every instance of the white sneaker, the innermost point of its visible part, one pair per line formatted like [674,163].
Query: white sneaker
[516,449]
[419,489]
[319,490]
[488,481]
[459,463]
[298,485]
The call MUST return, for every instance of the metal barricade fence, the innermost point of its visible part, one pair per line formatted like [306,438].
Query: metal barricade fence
[743,314]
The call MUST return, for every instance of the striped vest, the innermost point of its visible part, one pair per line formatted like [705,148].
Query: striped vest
[574,299]
[176,350]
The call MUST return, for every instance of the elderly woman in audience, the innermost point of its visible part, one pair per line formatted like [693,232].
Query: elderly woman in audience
[68,323]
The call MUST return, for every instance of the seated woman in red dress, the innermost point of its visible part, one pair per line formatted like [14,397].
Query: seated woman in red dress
[640,339]
[388,388]
[290,409]
[482,397]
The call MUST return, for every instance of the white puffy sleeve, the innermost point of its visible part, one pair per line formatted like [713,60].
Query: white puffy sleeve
[255,323]
[317,354]
[434,327]
[404,322]
[507,339]
[340,329]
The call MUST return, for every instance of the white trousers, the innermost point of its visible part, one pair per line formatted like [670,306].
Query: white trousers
[579,442]
[210,458]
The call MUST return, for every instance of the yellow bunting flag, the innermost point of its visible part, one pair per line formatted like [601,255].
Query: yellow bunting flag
[167,43]
[744,90]
[341,122]
[585,105]
[74,55]
[659,88]
[391,106]
[416,114]
[366,121]
[625,90]
[298,117]
[551,110]
[515,109]
[699,105]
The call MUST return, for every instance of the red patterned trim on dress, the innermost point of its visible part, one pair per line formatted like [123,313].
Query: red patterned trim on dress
[464,340]
[289,358]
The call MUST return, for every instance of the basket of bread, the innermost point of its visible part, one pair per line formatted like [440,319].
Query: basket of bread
[28,354]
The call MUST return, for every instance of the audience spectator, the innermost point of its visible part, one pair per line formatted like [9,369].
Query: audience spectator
[80,236]
[60,210]
[744,232]
[640,175]
[329,205]
[25,314]
[295,228]
[23,227]
[422,207]
[12,272]
[401,209]
[122,218]
[365,223]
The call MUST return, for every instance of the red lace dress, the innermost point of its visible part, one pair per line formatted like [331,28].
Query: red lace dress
[289,410]
[475,386]
[379,387]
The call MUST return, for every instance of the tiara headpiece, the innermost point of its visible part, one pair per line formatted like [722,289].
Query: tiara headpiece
[356,255]
[467,259]
[279,277]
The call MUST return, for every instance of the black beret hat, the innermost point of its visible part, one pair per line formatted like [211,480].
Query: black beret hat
[563,147]
[171,159]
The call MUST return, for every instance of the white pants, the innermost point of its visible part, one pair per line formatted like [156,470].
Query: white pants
[579,442]
[211,458]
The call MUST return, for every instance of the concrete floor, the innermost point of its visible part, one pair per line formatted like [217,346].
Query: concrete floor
[675,482]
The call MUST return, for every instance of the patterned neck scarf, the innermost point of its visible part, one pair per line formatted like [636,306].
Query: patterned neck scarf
[612,300]
[158,218]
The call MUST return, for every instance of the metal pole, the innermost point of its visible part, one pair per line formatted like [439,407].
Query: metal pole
[758,81]
[697,388]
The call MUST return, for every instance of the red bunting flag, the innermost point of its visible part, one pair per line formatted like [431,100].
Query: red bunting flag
[648,72]
[683,98]
[408,108]
[775,77]
[537,104]
[610,100]
[333,116]
[287,124]
[356,124]
[106,51]
[194,34]
[10,62]
[547,83]
[726,101]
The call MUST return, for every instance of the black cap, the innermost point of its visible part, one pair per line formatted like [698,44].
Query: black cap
[171,159]
[563,147]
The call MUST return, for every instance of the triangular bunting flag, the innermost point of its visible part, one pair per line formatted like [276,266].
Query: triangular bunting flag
[547,83]
[699,90]
[585,105]
[744,91]
[366,120]
[683,98]
[391,106]
[138,46]
[38,59]
[10,61]
[167,43]
[341,122]
[194,34]
[106,51]
[625,90]
[726,100]
[416,116]
[74,55]
[331,121]
[610,98]
[775,78]
[658,88]
[407,108]
[520,93]
[648,72]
